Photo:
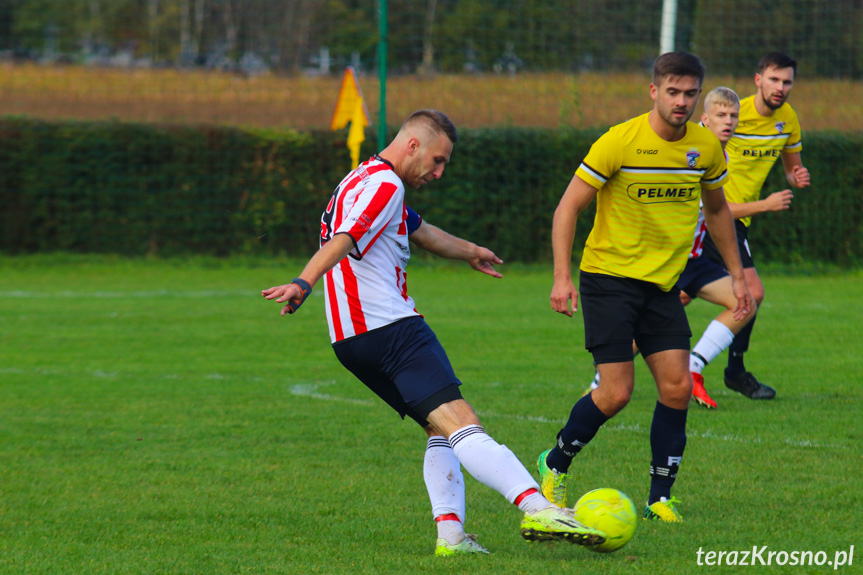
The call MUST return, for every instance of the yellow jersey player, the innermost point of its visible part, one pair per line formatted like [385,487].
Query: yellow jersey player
[648,175]
[702,277]
[768,129]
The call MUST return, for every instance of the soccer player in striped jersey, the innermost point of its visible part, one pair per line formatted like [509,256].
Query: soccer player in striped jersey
[378,335]
[648,175]
[768,129]
[704,278]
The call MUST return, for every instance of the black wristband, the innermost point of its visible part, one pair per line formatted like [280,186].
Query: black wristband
[306,290]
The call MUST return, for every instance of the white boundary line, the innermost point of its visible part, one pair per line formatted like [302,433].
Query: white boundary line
[18,294]
[310,390]
[126,294]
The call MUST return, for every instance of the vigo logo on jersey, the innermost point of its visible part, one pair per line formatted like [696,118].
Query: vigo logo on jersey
[655,193]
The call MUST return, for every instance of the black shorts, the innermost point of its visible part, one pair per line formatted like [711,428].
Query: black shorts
[618,310]
[712,252]
[698,273]
[405,365]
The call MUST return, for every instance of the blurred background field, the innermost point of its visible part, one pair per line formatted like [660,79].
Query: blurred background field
[171,127]
[278,63]
[544,100]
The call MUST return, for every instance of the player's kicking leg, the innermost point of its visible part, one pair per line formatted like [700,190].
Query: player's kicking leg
[495,466]
[445,485]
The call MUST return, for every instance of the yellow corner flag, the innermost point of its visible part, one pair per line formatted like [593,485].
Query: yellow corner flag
[351,108]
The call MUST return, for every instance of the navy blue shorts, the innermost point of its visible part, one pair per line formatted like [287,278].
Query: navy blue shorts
[405,365]
[618,310]
[712,252]
[698,273]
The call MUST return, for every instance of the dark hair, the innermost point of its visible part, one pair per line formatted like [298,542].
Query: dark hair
[437,122]
[676,64]
[777,60]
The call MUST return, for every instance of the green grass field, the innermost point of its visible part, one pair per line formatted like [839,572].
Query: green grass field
[160,417]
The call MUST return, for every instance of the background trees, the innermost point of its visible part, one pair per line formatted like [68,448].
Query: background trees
[507,36]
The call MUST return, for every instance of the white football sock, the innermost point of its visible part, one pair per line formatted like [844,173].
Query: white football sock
[444,479]
[490,463]
[533,503]
[452,531]
[716,338]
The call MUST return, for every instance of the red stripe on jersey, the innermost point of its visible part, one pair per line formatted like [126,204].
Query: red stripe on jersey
[403,227]
[334,307]
[378,168]
[355,307]
[341,210]
[698,242]
[402,282]
[374,239]
[358,176]
[382,197]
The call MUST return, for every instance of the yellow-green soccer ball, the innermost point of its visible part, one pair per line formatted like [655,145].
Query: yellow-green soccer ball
[611,511]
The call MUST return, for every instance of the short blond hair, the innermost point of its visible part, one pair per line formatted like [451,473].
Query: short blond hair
[721,95]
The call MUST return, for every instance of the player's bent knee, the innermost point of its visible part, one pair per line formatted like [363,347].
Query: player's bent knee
[676,394]
[433,431]
[622,398]
[611,402]
[452,416]
[617,401]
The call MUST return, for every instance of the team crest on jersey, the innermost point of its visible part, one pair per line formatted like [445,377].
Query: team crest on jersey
[780,126]
[692,158]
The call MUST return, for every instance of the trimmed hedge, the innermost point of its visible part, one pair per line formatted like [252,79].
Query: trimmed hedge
[141,189]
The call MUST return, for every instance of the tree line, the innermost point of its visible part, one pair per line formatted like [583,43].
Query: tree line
[451,36]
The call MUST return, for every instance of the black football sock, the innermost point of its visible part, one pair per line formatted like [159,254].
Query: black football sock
[584,421]
[667,442]
[738,347]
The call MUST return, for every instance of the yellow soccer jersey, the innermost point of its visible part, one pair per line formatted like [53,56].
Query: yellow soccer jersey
[647,204]
[754,148]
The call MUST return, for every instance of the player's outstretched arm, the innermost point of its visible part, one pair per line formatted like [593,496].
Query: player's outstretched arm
[296,292]
[440,243]
[796,174]
[576,198]
[775,202]
[721,226]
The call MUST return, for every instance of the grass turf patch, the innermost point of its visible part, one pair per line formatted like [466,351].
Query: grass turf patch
[160,417]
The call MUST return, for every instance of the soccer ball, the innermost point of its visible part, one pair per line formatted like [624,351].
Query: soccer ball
[608,510]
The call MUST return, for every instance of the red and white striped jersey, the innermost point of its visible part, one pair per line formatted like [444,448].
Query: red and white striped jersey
[368,289]
[701,228]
